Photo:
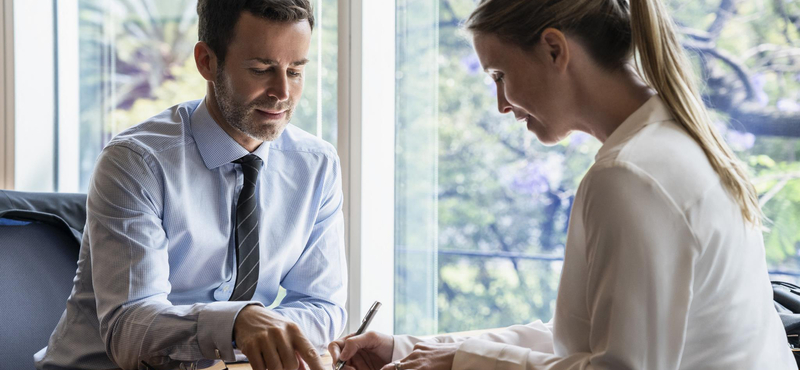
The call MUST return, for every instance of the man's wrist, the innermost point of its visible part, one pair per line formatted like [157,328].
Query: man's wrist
[213,322]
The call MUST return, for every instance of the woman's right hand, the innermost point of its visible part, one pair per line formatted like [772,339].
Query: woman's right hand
[369,351]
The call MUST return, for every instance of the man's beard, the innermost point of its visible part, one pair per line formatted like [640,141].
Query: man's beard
[244,116]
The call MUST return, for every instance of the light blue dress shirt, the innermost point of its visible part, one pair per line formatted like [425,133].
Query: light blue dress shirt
[157,262]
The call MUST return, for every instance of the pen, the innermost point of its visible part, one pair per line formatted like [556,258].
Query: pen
[364,323]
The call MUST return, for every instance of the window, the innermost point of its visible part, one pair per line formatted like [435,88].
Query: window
[93,68]
[481,208]
[473,213]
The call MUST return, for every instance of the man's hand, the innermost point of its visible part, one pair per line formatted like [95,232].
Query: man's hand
[270,341]
[369,351]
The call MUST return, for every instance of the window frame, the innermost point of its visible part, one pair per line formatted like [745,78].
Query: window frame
[7,95]
[366,149]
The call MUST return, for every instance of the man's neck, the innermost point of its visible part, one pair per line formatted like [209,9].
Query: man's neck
[240,137]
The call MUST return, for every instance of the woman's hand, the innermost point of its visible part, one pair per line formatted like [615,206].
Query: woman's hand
[369,351]
[427,356]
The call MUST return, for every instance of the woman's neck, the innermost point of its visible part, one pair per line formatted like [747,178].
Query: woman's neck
[610,98]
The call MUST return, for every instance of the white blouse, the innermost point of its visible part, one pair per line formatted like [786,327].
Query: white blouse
[660,272]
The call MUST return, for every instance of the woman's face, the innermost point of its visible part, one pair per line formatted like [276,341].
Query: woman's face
[531,84]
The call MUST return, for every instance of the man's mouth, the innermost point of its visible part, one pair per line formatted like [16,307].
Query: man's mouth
[271,114]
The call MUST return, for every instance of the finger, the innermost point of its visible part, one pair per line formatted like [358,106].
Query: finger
[254,357]
[334,349]
[301,365]
[421,346]
[356,343]
[307,351]
[286,353]
[271,357]
[389,366]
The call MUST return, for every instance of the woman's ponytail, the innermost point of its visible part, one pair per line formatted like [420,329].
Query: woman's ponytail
[666,69]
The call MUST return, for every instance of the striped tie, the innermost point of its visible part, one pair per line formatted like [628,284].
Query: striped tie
[247,253]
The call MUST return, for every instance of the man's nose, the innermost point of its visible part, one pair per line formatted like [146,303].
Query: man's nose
[279,87]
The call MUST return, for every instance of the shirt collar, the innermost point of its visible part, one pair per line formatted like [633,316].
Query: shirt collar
[652,111]
[215,145]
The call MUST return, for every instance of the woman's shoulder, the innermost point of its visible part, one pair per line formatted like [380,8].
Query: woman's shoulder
[662,155]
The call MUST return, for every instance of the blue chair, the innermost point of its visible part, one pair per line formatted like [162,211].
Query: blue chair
[39,241]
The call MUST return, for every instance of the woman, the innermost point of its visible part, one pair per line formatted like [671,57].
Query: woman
[664,265]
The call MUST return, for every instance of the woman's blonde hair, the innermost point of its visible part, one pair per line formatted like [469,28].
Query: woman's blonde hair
[612,31]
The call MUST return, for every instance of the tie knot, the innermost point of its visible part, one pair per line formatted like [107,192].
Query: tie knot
[250,159]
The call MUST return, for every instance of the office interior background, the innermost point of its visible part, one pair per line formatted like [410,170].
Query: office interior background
[456,217]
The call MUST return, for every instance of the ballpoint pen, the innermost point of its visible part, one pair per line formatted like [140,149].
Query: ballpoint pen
[363,327]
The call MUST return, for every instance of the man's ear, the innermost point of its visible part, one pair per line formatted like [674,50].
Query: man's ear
[206,61]
[556,47]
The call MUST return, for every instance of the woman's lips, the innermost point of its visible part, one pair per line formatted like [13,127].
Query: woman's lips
[526,118]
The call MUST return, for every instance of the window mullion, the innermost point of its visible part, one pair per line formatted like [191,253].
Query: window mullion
[366,147]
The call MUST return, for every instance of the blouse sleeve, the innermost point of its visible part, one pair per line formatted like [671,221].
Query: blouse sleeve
[536,336]
[640,255]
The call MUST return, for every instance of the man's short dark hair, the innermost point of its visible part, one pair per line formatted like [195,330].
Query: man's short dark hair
[218,18]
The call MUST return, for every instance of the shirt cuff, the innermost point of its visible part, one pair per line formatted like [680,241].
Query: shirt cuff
[476,354]
[215,328]
[403,345]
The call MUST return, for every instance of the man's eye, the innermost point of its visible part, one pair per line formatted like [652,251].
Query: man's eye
[259,71]
[294,73]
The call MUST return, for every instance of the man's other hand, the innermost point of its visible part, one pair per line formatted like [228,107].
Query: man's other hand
[270,341]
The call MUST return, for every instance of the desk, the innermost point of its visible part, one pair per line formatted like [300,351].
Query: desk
[327,361]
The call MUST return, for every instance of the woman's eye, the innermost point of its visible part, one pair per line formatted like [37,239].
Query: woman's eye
[498,77]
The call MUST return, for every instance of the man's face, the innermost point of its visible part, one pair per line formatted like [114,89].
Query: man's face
[261,81]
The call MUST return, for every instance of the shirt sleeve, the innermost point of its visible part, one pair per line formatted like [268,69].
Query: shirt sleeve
[316,286]
[640,256]
[130,273]
[536,336]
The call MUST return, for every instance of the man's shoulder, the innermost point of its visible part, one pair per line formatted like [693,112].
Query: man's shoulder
[164,131]
[296,140]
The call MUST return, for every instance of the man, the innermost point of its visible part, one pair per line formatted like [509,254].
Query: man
[198,215]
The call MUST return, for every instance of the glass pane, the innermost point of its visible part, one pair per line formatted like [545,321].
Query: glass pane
[34,101]
[136,59]
[416,162]
[482,207]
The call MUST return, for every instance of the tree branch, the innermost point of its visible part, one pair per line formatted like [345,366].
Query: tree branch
[766,122]
[522,283]
[738,67]
[792,19]
[521,153]
[726,10]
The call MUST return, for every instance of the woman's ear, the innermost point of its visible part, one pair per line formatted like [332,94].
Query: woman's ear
[556,47]
[206,61]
